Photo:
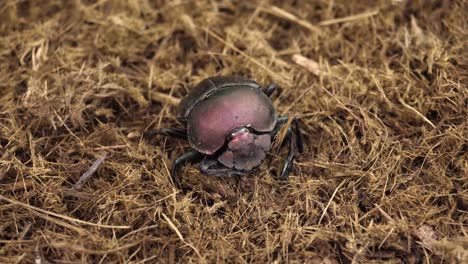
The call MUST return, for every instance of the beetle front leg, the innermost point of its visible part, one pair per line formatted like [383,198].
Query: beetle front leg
[271,88]
[279,124]
[192,156]
[288,163]
[282,120]
[295,144]
[299,140]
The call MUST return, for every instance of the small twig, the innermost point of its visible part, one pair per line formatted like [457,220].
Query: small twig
[74,247]
[25,230]
[173,227]
[15,186]
[416,112]
[38,257]
[176,230]
[385,214]
[77,194]
[381,90]
[164,98]
[329,202]
[281,13]
[48,218]
[415,29]
[110,147]
[90,171]
[65,217]
[349,18]
[386,237]
[307,63]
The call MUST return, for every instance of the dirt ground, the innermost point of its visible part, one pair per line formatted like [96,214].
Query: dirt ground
[380,88]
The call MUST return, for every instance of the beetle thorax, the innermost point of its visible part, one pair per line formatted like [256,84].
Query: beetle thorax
[245,149]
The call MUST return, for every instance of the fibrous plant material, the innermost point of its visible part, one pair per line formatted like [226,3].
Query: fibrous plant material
[380,88]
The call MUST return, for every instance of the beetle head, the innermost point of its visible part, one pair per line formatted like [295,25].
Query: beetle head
[245,149]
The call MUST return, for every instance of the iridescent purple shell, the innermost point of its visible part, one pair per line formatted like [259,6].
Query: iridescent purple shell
[217,105]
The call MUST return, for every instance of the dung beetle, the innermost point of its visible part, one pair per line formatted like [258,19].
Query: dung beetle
[230,124]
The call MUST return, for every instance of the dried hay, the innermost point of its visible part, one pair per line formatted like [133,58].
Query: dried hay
[380,88]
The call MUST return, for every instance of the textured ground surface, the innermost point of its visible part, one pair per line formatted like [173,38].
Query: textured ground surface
[381,92]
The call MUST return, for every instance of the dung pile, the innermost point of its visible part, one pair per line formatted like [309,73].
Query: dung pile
[380,88]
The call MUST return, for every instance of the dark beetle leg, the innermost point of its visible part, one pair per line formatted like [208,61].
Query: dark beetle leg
[299,141]
[288,163]
[169,132]
[211,166]
[295,144]
[192,156]
[279,124]
[270,89]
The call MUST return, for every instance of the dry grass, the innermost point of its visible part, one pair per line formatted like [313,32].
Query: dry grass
[380,86]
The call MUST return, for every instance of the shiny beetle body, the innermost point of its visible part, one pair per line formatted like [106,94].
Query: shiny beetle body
[230,123]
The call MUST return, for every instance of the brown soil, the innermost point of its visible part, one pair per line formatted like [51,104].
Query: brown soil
[380,88]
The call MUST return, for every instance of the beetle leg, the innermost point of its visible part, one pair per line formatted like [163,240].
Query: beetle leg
[299,141]
[288,163]
[295,143]
[211,166]
[169,132]
[280,123]
[192,156]
[270,89]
